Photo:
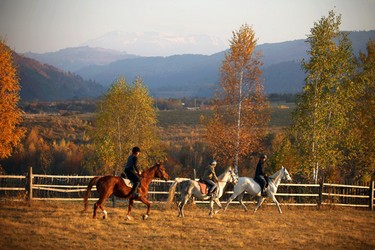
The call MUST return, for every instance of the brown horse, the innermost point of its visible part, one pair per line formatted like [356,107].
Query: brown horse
[107,185]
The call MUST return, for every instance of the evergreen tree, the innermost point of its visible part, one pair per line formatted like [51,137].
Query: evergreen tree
[10,114]
[240,106]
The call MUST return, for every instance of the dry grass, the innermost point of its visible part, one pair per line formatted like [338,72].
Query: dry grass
[58,225]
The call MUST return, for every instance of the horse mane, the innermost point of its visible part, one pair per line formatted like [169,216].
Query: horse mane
[224,173]
[276,174]
[150,170]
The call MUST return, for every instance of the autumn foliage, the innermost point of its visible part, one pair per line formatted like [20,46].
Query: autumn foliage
[10,115]
[240,106]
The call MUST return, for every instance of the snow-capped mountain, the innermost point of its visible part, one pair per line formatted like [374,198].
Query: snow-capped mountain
[158,44]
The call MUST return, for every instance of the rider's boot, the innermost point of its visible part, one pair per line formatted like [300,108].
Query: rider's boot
[264,193]
[133,193]
[210,190]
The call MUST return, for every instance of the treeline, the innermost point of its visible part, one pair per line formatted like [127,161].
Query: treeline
[81,106]
[52,145]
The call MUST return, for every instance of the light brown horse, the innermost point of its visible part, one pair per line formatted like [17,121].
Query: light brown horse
[108,185]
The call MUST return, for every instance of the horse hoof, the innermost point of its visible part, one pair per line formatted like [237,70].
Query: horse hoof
[128,217]
[144,217]
[105,215]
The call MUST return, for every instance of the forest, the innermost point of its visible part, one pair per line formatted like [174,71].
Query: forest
[57,140]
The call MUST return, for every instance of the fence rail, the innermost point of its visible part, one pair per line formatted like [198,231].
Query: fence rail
[61,187]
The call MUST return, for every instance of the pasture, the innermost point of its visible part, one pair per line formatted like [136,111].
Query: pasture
[63,225]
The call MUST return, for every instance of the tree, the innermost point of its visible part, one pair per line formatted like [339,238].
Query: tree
[126,118]
[360,148]
[11,132]
[240,110]
[320,119]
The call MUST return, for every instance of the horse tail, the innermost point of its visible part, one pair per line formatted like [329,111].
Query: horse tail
[88,191]
[172,192]
[172,189]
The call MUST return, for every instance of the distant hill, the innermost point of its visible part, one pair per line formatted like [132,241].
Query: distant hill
[73,59]
[46,83]
[196,75]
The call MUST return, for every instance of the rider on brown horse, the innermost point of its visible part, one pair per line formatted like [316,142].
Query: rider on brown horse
[132,172]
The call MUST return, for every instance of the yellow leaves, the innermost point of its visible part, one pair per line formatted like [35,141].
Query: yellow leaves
[126,119]
[240,105]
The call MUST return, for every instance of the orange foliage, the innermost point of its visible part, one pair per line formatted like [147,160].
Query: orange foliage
[10,115]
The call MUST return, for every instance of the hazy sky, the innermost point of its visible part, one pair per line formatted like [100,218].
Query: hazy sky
[50,25]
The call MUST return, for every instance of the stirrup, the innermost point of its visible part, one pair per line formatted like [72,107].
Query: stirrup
[136,195]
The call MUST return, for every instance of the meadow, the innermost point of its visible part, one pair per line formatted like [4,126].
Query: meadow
[63,225]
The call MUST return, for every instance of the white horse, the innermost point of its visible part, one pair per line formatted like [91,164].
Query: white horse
[246,184]
[191,188]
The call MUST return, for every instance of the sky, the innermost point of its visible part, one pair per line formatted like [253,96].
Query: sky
[49,25]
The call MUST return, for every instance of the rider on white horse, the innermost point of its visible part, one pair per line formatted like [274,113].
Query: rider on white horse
[260,175]
[210,178]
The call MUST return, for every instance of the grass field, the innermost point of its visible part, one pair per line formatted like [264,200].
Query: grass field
[58,225]
[280,116]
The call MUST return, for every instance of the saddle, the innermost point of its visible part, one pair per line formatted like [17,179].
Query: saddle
[203,187]
[127,182]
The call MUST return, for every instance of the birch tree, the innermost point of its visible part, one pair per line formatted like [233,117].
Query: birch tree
[320,119]
[240,110]
[126,118]
[359,144]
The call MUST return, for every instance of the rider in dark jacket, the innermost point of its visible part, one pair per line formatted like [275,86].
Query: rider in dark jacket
[132,171]
[210,178]
[260,175]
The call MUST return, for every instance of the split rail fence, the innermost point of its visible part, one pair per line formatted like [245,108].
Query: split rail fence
[62,187]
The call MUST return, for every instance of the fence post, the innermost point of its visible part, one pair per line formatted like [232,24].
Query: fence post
[320,201]
[372,186]
[30,185]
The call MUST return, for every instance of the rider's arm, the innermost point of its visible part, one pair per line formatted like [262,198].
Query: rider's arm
[135,161]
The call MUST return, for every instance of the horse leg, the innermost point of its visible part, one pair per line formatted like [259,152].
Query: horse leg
[148,204]
[240,199]
[276,202]
[211,207]
[217,201]
[260,201]
[231,198]
[181,206]
[99,203]
[131,202]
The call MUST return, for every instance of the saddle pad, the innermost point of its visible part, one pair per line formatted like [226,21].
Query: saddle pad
[128,182]
[203,186]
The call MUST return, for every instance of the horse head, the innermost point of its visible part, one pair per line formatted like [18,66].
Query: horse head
[161,172]
[233,177]
[286,175]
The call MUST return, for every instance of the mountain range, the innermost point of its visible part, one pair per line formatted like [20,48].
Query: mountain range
[187,75]
[157,43]
[44,82]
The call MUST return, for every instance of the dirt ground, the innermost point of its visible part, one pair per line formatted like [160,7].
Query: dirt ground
[63,225]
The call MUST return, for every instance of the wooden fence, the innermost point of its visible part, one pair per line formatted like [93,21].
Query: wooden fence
[61,187]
